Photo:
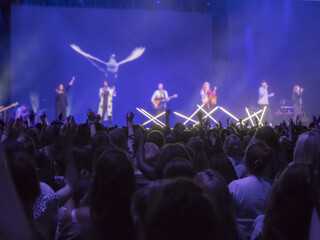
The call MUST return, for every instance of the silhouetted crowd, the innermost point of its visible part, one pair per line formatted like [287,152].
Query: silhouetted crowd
[64,180]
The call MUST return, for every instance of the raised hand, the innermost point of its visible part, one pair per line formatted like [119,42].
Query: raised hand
[72,80]
[31,117]
[213,139]
[92,117]
[43,118]
[129,117]
[199,115]
[316,121]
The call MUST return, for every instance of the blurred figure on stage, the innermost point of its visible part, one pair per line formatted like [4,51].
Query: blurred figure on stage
[297,100]
[21,112]
[106,95]
[208,97]
[159,99]
[263,101]
[61,99]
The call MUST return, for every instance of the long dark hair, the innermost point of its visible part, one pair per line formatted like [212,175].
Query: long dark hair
[112,186]
[216,187]
[290,205]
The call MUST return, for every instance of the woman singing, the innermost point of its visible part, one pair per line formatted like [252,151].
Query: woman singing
[297,100]
[61,98]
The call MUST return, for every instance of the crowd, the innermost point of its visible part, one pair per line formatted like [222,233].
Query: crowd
[65,180]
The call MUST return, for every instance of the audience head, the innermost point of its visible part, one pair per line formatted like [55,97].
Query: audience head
[258,157]
[111,189]
[182,211]
[178,167]
[168,152]
[269,136]
[232,146]
[200,161]
[223,165]
[118,138]
[25,179]
[290,205]
[307,148]
[142,202]
[156,137]
[151,153]
[217,189]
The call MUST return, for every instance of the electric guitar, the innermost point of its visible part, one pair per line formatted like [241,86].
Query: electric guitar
[212,99]
[160,101]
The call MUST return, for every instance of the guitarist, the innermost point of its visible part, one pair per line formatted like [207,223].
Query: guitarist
[159,99]
[208,97]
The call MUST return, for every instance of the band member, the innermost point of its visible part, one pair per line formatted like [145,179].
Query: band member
[159,99]
[208,97]
[263,100]
[22,112]
[106,95]
[297,99]
[61,98]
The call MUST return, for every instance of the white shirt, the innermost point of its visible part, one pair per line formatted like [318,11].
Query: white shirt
[249,198]
[263,96]
[159,95]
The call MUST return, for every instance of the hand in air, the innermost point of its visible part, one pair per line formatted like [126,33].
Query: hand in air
[129,117]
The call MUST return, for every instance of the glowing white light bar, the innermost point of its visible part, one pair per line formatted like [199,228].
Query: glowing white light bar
[207,114]
[212,111]
[246,119]
[152,118]
[185,117]
[262,115]
[250,116]
[189,119]
[229,113]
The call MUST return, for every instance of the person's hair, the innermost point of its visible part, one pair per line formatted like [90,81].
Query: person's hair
[28,147]
[111,189]
[258,156]
[142,201]
[179,126]
[82,136]
[185,136]
[307,147]
[269,136]
[200,160]
[151,153]
[167,152]
[156,137]
[217,189]
[223,165]
[25,179]
[232,146]
[178,167]
[83,158]
[224,133]
[100,142]
[290,206]
[118,138]
[295,88]
[182,211]
[33,133]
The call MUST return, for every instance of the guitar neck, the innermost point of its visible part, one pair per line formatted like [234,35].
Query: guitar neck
[8,107]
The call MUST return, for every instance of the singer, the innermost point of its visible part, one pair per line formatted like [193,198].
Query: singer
[297,100]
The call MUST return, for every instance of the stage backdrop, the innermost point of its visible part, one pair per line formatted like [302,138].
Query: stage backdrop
[178,54]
